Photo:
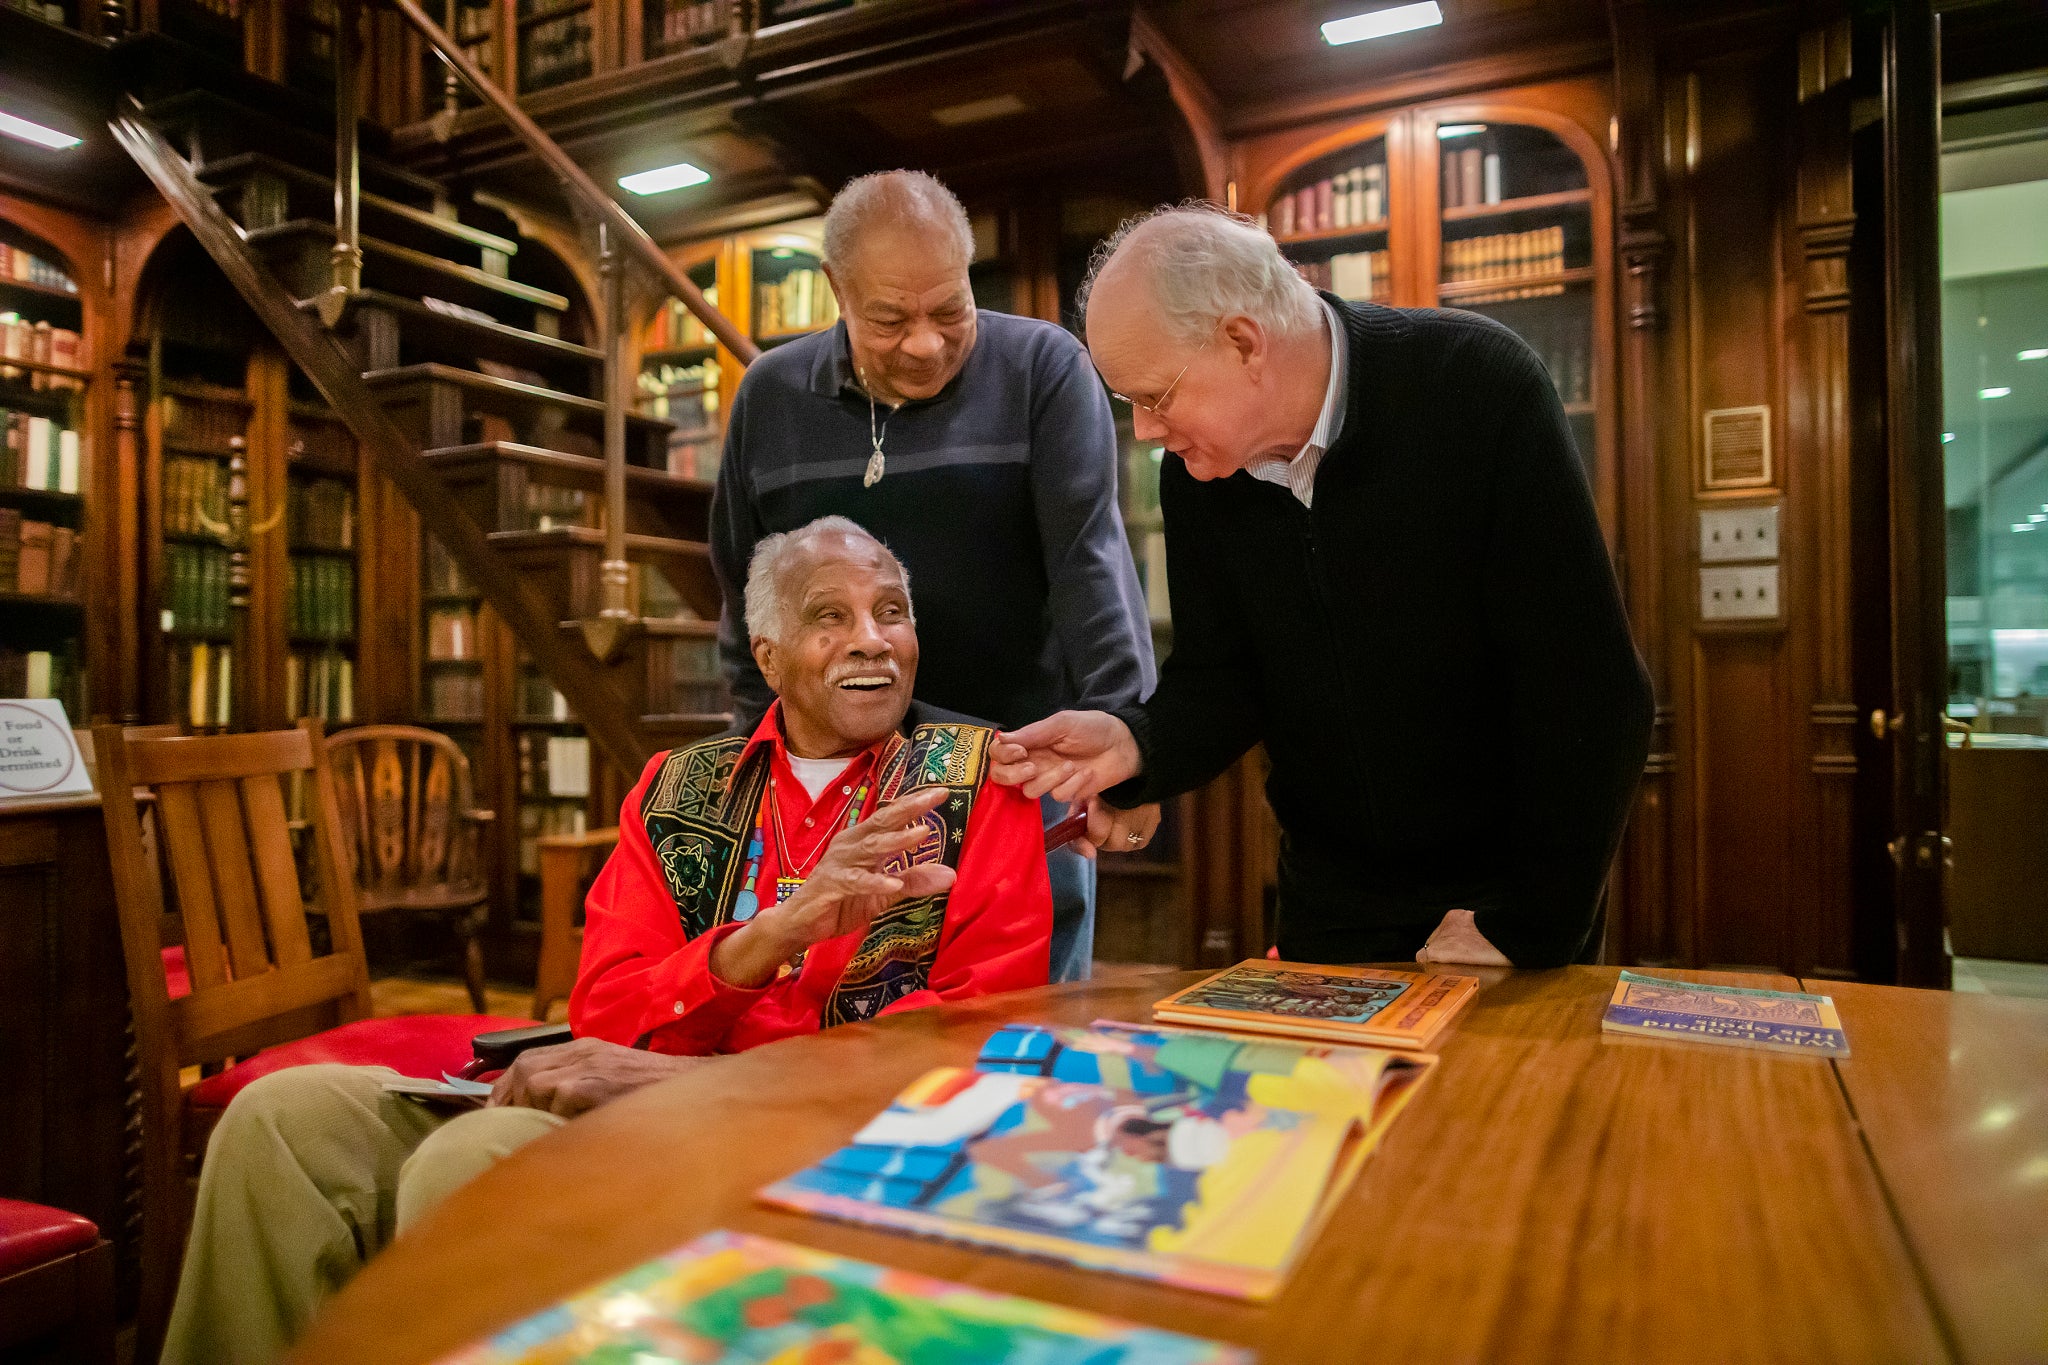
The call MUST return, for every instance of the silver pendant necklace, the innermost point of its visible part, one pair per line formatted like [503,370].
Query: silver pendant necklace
[875,434]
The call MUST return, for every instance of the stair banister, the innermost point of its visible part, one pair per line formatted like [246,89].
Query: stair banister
[579,184]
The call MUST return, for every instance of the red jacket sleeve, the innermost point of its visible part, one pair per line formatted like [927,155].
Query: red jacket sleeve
[642,982]
[998,930]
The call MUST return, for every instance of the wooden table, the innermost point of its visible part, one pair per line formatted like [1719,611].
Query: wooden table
[1551,1194]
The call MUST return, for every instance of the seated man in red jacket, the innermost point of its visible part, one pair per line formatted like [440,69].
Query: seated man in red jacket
[844,861]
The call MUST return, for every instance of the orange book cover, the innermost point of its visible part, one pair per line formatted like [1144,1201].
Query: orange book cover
[1373,1006]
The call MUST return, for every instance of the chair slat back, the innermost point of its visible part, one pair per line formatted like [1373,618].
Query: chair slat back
[404,794]
[226,838]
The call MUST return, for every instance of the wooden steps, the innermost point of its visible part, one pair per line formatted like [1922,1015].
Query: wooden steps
[390,331]
[303,194]
[300,251]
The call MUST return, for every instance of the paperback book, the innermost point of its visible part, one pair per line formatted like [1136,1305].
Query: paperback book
[1777,1021]
[1375,1006]
[1195,1158]
[730,1299]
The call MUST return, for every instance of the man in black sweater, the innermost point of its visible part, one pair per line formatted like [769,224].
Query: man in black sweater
[1385,565]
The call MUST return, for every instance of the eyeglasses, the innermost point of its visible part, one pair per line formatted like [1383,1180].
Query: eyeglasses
[1158,406]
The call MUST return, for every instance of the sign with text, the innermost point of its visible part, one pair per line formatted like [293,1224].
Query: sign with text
[38,756]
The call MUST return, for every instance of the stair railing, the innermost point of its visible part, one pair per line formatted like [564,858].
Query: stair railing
[607,633]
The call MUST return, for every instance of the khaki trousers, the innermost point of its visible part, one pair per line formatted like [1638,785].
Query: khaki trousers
[309,1173]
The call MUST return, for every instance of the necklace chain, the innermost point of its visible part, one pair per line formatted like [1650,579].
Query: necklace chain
[875,435]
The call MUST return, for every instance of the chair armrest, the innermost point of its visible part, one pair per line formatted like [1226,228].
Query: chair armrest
[494,1051]
[590,838]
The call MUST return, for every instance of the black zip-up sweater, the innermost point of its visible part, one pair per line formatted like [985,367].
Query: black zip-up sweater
[1436,657]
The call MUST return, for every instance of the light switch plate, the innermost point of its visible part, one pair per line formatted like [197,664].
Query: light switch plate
[1749,593]
[1738,533]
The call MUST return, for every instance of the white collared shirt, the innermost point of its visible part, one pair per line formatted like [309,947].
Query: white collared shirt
[1298,475]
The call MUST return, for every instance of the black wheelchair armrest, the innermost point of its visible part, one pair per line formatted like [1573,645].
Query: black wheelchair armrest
[495,1051]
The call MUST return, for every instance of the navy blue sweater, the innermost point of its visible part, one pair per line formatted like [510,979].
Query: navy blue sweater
[1436,657]
[999,497]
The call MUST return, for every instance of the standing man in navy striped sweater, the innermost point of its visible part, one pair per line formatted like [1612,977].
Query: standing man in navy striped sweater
[1385,566]
[981,449]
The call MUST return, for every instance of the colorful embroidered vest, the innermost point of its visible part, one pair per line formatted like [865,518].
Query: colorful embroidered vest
[700,810]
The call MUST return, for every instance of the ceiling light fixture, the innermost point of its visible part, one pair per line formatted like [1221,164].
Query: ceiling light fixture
[18,127]
[2035,353]
[1947,436]
[662,179]
[1381,22]
[1451,130]
[2000,392]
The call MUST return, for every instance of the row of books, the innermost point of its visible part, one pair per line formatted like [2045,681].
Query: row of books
[195,497]
[202,424]
[535,698]
[320,597]
[202,685]
[1356,198]
[1361,276]
[321,513]
[451,635]
[37,558]
[39,343]
[455,697]
[556,51]
[39,453]
[553,766]
[42,674]
[1471,177]
[1504,257]
[537,818]
[199,587]
[686,395]
[675,327]
[319,683]
[19,263]
[444,577]
[679,23]
[800,301]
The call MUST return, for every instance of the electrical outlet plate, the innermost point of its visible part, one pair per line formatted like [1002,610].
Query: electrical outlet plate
[1738,533]
[1745,594]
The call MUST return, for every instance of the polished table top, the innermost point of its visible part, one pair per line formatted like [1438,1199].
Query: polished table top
[1550,1195]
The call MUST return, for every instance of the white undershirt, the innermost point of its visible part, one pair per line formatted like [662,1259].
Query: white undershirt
[816,774]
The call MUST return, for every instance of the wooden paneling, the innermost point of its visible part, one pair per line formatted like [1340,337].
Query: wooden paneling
[1741,792]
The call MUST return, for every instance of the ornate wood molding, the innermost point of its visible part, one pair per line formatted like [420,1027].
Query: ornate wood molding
[1833,728]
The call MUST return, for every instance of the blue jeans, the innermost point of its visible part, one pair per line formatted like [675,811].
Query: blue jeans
[1073,904]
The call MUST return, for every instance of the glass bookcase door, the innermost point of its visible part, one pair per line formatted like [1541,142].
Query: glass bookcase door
[1517,244]
[680,380]
[1331,217]
[791,296]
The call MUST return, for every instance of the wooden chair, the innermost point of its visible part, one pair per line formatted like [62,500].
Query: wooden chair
[56,1286]
[412,831]
[259,997]
[563,858]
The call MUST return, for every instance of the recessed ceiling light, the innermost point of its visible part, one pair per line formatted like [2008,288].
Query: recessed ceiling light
[1999,392]
[1947,436]
[979,111]
[1381,22]
[2021,526]
[662,179]
[15,126]
[1451,130]
[2037,517]
[2035,353]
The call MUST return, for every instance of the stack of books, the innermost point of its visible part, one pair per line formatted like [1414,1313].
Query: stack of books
[40,674]
[319,683]
[320,597]
[202,685]
[321,514]
[199,588]
[800,301]
[17,263]
[195,495]
[1354,199]
[39,343]
[1506,257]
[38,452]
[37,558]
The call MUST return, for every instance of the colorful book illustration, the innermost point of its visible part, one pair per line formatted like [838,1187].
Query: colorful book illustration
[1379,1007]
[1197,1158]
[1778,1021]
[729,1299]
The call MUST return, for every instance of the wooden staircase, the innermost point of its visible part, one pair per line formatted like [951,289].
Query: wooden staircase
[461,382]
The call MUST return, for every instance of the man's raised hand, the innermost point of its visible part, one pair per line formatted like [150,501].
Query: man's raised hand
[1070,756]
[850,886]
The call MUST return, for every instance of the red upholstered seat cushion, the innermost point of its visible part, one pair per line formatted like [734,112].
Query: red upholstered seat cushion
[36,1234]
[177,975]
[410,1044]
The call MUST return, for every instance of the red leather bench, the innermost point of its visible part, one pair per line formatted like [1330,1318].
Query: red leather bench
[56,1284]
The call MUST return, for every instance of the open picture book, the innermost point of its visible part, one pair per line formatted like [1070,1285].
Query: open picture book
[1373,1006]
[730,1299]
[1187,1156]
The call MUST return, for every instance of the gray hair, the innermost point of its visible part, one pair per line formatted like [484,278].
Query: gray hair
[1201,264]
[896,198]
[768,571]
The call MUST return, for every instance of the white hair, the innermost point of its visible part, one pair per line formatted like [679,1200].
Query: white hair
[768,572]
[1201,264]
[900,199]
